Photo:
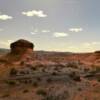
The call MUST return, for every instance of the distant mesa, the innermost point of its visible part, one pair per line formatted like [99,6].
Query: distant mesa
[21,46]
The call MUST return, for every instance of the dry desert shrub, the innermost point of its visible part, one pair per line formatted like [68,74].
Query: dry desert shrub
[52,96]
[41,92]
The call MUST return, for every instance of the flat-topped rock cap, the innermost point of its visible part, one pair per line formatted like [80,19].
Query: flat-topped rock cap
[97,52]
[22,43]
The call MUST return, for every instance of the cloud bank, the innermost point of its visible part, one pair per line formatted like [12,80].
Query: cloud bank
[60,34]
[76,29]
[36,13]
[5,17]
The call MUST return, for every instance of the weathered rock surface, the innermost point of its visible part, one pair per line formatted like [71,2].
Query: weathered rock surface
[21,50]
[21,46]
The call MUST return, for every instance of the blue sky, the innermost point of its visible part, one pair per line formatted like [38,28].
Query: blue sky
[53,25]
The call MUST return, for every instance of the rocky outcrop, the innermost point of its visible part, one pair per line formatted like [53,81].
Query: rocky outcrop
[21,47]
[21,50]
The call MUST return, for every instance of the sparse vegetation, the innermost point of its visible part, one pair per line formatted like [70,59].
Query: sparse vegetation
[54,73]
[72,65]
[38,79]
[35,84]
[11,82]
[25,91]
[98,80]
[79,89]
[33,68]
[22,72]
[75,76]
[62,96]
[5,95]
[41,92]
[22,63]
[13,72]
[49,80]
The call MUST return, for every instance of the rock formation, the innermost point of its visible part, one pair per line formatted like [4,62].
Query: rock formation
[21,50]
[21,47]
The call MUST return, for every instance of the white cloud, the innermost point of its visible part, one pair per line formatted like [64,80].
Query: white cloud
[33,33]
[39,13]
[60,34]
[86,44]
[90,44]
[95,43]
[45,31]
[5,17]
[75,29]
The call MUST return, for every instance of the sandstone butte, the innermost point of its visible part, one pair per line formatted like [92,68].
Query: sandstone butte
[21,47]
[20,50]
